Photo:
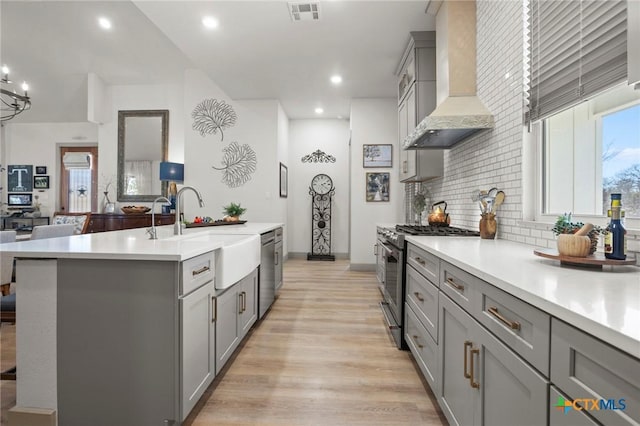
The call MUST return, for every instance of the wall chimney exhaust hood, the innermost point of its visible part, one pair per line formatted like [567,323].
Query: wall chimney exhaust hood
[459,113]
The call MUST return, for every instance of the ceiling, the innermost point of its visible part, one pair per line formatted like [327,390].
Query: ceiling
[257,52]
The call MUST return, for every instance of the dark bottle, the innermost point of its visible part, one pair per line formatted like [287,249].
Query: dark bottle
[615,246]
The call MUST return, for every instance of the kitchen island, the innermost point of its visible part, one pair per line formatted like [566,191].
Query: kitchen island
[114,328]
[489,321]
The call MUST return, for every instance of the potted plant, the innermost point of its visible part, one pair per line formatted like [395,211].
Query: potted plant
[233,212]
[564,225]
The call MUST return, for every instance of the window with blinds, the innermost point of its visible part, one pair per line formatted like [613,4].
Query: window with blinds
[578,48]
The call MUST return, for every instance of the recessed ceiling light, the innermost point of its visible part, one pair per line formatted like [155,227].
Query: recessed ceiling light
[104,23]
[319,110]
[210,22]
[336,79]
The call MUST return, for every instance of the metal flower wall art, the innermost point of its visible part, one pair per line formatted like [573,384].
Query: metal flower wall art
[318,157]
[239,162]
[211,116]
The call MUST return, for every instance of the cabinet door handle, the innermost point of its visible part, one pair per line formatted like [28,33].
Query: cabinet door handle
[514,325]
[455,285]
[200,271]
[416,339]
[240,303]
[277,257]
[420,261]
[472,380]
[418,296]
[244,301]
[467,343]
[214,309]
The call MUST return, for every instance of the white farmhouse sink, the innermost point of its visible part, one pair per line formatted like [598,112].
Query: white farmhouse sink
[239,256]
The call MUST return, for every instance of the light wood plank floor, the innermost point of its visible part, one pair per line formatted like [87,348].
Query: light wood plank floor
[321,356]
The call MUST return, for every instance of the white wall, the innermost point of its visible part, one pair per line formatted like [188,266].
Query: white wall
[138,97]
[37,144]
[373,121]
[305,137]
[257,125]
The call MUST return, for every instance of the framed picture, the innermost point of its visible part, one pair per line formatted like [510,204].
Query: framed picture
[378,186]
[19,178]
[284,181]
[41,170]
[41,182]
[20,200]
[377,155]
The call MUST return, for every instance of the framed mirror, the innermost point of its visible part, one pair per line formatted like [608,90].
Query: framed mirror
[143,143]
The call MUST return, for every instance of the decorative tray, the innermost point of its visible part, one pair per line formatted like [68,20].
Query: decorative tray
[135,209]
[215,223]
[595,260]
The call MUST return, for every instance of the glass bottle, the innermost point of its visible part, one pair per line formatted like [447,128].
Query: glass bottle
[615,245]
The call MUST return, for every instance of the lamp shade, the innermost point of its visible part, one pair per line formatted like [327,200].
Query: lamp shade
[173,172]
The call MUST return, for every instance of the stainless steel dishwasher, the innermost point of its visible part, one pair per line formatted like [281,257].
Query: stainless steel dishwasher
[267,287]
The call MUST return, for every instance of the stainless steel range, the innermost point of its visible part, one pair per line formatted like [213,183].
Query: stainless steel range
[389,250]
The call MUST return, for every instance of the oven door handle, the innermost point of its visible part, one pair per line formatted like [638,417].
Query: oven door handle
[387,315]
[386,249]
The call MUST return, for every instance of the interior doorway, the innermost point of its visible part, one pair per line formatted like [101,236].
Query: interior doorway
[78,179]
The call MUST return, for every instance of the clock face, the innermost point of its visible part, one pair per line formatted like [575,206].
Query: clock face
[322,184]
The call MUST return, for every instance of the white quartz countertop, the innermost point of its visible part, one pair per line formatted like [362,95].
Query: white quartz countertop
[133,244]
[604,303]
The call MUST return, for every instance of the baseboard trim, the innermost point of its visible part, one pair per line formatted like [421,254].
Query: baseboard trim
[363,267]
[27,416]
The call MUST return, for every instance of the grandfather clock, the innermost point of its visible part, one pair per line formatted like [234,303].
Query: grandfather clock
[321,191]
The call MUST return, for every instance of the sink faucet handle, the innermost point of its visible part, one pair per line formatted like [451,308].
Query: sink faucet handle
[152,233]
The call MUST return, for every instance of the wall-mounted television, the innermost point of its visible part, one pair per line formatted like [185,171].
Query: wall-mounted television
[20,200]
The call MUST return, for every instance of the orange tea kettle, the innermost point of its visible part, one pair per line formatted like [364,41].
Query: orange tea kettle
[439,216]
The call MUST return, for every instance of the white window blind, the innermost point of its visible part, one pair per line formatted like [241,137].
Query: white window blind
[578,48]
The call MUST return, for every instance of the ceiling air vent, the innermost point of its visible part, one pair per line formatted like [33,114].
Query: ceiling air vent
[304,11]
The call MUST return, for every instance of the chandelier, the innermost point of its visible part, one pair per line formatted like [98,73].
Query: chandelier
[12,102]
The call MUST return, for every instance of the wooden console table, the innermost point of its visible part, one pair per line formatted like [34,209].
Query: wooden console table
[100,222]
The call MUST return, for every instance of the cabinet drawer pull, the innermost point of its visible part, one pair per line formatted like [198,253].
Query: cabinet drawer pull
[420,261]
[200,271]
[455,285]
[466,344]
[514,325]
[418,296]
[214,309]
[416,339]
[472,380]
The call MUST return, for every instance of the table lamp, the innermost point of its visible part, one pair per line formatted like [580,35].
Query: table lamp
[172,173]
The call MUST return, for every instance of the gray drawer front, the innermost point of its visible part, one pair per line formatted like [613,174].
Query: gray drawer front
[571,417]
[424,262]
[584,367]
[197,271]
[422,346]
[520,326]
[422,296]
[459,285]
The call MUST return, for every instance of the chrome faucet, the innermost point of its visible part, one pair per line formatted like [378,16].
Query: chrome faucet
[177,227]
[152,231]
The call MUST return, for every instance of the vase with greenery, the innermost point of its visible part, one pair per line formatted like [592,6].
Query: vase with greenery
[233,212]
[564,225]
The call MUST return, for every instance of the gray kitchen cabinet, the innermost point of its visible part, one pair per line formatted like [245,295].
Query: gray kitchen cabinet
[422,297]
[422,346]
[279,259]
[127,325]
[483,381]
[236,311]
[197,331]
[248,312]
[416,100]
[585,367]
